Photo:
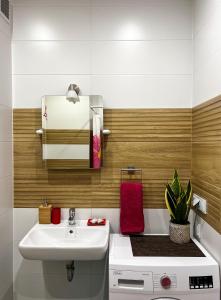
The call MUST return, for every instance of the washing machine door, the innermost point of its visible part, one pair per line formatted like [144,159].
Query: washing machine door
[166,298]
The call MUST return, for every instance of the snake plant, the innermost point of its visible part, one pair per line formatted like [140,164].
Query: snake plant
[178,200]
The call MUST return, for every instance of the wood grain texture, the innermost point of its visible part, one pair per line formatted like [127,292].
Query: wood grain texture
[74,137]
[44,214]
[156,140]
[206,158]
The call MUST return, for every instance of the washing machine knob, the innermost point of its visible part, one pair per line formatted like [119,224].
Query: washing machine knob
[165,282]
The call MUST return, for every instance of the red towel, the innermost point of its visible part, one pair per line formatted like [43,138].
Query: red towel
[131,212]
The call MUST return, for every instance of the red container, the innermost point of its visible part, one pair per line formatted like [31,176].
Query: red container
[56,215]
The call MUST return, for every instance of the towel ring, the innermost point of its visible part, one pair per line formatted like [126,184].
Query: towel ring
[130,170]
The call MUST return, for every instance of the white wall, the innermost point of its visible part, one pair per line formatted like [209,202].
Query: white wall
[5,163]
[134,53]
[207,50]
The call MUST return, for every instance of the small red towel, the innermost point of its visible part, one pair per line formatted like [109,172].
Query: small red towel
[131,211]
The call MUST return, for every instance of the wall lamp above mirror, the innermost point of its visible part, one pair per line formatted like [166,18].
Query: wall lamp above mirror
[73,93]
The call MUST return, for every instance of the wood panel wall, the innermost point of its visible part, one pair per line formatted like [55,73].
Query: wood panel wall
[206,157]
[156,140]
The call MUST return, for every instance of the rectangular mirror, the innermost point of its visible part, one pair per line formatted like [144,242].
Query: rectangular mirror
[72,132]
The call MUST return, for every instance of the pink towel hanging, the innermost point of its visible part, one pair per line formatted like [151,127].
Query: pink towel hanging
[96,141]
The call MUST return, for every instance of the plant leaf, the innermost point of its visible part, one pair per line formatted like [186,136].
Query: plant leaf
[170,204]
[189,192]
[188,198]
[180,215]
[176,186]
[171,194]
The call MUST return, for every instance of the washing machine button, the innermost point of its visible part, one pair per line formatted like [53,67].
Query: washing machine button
[165,282]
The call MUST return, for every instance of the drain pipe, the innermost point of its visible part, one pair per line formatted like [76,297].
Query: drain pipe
[70,271]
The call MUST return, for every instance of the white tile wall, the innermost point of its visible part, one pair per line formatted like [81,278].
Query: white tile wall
[143,3]
[6,203]
[117,91]
[207,50]
[122,90]
[6,197]
[5,28]
[51,57]
[5,72]
[44,3]
[106,47]
[38,85]
[141,22]
[5,123]
[142,57]
[5,159]
[61,23]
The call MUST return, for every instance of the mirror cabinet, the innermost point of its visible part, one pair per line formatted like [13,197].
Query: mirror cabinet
[72,132]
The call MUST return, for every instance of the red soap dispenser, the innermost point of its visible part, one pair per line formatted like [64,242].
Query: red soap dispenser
[56,215]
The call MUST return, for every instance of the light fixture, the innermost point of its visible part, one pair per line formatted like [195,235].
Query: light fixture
[72,93]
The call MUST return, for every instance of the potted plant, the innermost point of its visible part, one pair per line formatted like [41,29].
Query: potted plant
[178,202]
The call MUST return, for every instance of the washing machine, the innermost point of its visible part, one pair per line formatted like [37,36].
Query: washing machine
[178,276]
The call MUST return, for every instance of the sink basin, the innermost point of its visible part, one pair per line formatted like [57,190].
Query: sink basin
[64,242]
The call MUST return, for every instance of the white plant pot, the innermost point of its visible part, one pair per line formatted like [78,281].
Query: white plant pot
[179,234]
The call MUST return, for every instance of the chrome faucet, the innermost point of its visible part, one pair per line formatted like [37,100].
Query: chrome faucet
[71,219]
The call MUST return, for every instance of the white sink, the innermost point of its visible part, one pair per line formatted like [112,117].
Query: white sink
[64,242]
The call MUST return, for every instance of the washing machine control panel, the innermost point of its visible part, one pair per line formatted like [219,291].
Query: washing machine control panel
[164,281]
[201,282]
